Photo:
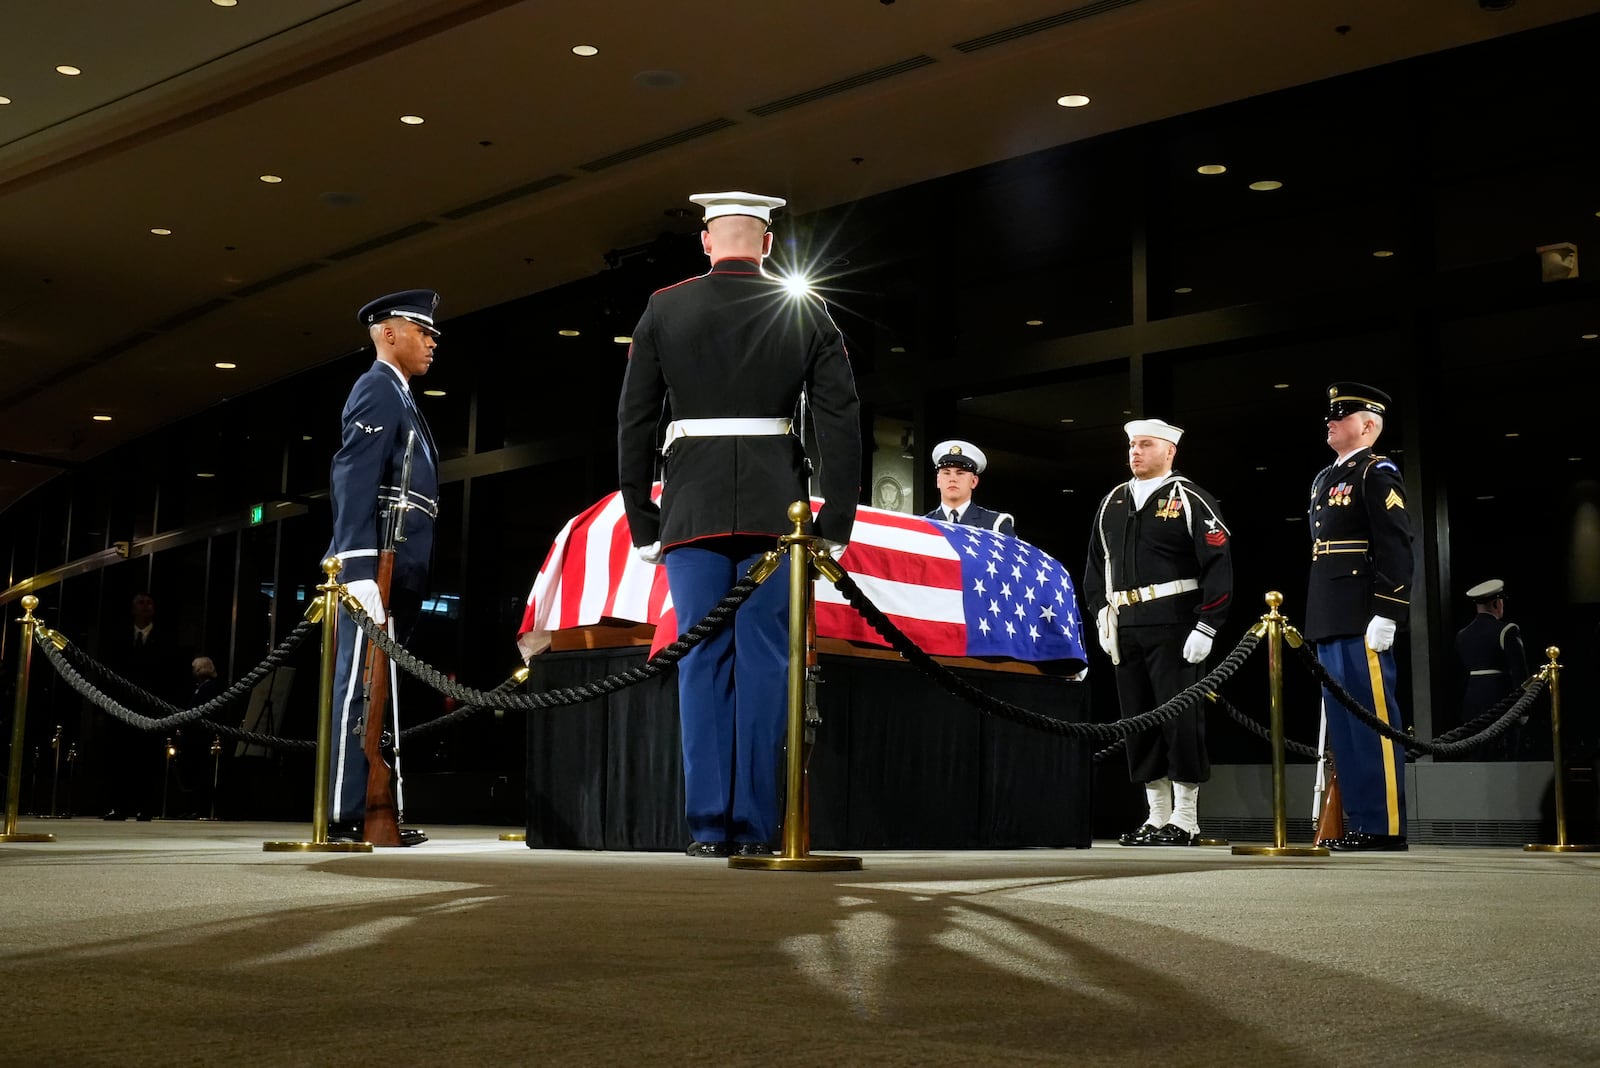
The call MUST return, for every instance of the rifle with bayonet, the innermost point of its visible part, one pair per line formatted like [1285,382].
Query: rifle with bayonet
[378,740]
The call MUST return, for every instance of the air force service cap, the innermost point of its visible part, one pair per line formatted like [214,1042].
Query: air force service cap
[962,454]
[1345,398]
[1484,592]
[752,204]
[1153,428]
[414,304]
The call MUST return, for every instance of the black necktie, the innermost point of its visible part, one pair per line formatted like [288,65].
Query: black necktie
[953,518]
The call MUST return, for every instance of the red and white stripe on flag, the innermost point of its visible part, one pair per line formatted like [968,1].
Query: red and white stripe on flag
[902,563]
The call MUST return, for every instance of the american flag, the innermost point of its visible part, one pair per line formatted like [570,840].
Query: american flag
[954,590]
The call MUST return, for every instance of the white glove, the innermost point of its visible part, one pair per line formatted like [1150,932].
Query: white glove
[366,591]
[1197,646]
[1380,634]
[650,554]
[835,549]
[1103,630]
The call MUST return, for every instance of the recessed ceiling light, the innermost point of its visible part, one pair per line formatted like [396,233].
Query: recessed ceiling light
[623,339]
[1280,385]
[1383,253]
[305,437]
[1486,497]
[69,70]
[433,393]
[1127,411]
[1066,420]
[1073,100]
[160,231]
[271,179]
[1261,468]
[412,120]
[204,474]
[567,333]
[1184,289]
[585,50]
[1066,490]
[897,348]
[226,3]
[225,366]
[1264,186]
[1212,168]
[1590,337]
[1574,459]
[1511,434]
[4,100]
[102,418]
[1034,322]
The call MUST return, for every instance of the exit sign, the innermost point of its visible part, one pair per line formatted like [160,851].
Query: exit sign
[257,513]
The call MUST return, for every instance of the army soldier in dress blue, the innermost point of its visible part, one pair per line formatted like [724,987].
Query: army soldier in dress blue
[1160,580]
[730,353]
[378,422]
[957,465]
[1359,594]
[1493,661]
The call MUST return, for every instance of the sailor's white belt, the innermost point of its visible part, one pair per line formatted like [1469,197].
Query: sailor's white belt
[1488,671]
[1123,598]
[725,428]
[414,500]
[1329,548]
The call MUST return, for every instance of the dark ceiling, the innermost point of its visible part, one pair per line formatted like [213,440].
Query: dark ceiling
[533,163]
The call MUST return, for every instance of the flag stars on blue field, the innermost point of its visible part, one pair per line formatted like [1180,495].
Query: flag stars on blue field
[1028,614]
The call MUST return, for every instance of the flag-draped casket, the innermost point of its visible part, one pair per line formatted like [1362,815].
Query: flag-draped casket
[954,590]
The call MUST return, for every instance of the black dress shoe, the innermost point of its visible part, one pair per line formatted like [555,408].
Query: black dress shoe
[1362,842]
[1173,835]
[410,836]
[115,815]
[708,849]
[754,849]
[345,832]
[1139,837]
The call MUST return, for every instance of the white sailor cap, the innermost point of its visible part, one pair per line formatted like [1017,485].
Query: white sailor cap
[1153,428]
[962,454]
[752,204]
[1492,590]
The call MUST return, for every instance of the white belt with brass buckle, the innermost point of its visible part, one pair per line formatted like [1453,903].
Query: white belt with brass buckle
[725,428]
[1329,548]
[1123,598]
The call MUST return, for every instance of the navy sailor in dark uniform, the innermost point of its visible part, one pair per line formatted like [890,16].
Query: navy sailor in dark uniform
[730,354]
[957,465]
[1493,661]
[1159,579]
[379,419]
[1358,596]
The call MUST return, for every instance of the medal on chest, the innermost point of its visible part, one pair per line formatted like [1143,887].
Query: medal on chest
[1340,494]
[1172,507]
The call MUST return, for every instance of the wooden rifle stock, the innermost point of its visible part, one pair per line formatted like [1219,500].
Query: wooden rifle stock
[1330,821]
[382,826]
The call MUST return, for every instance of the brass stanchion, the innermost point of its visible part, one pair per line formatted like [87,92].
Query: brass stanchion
[514,836]
[18,719]
[802,555]
[325,609]
[1552,672]
[1275,628]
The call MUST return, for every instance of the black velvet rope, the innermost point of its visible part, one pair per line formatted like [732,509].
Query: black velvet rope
[1458,743]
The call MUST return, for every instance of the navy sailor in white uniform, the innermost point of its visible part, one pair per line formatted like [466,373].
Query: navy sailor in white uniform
[379,419]
[731,353]
[957,465]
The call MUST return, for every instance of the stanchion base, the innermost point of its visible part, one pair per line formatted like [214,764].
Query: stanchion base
[19,837]
[1540,847]
[809,862]
[514,836]
[1281,851]
[1212,841]
[316,847]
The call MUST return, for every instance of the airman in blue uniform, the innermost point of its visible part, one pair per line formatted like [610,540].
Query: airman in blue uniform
[380,426]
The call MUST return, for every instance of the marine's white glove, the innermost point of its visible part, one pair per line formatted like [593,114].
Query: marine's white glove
[1197,646]
[650,554]
[366,591]
[835,548]
[1380,634]
[1101,629]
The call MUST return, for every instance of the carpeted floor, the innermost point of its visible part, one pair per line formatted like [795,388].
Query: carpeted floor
[186,943]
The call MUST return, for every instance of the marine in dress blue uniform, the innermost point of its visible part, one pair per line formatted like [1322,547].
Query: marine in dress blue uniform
[957,465]
[379,418]
[730,354]
[1159,579]
[1359,594]
[1493,661]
